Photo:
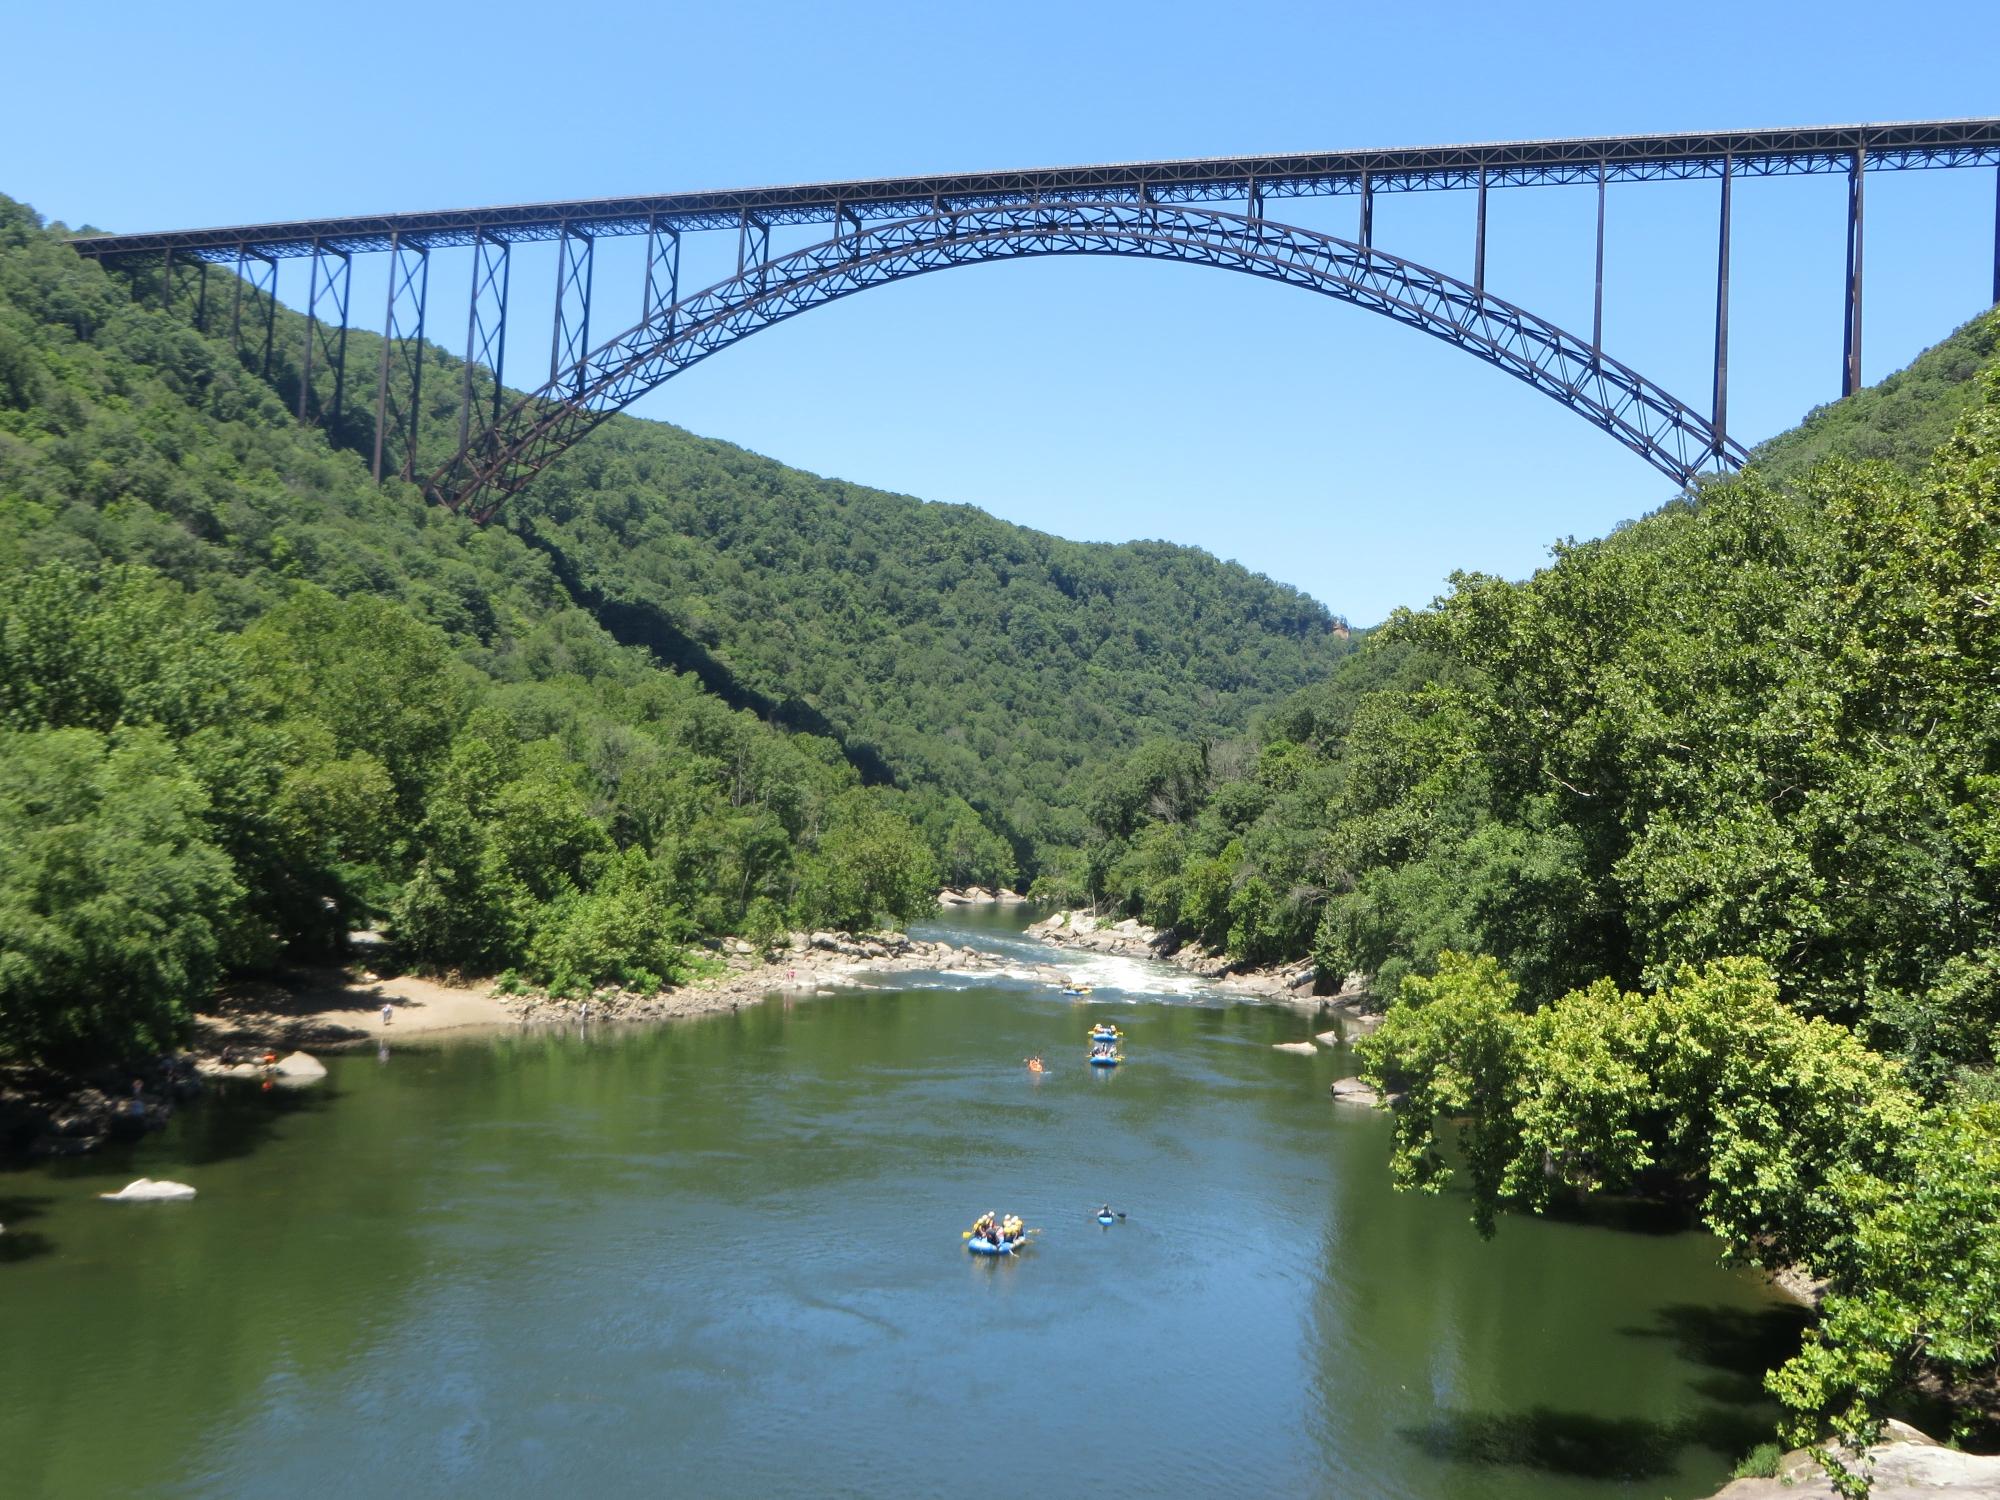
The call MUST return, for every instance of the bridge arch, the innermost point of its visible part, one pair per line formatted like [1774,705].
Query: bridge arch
[543,424]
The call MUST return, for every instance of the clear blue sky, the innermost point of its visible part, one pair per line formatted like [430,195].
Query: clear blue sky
[1099,399]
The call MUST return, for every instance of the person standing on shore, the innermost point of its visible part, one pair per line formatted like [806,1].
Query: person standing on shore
[388,1012]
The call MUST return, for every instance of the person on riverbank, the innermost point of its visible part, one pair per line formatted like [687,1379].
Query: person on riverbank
[388,1012]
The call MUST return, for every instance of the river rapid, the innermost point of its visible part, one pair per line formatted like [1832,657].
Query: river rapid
[722,1257]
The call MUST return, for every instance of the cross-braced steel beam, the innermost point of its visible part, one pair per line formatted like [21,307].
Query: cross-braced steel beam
[399,383]
[485,339]
[753,245]
[184,279]
[536,429]
[326,333]
[258,275]
[570,340]
[663,271]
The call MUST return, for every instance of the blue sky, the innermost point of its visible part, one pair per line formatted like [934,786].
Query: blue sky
[1099,399]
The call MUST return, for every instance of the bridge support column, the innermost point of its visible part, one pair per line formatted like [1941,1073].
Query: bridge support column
[1479,238]
[1719,412]
[1850,353]
[1597,297]
[326,336]
[663,272]
[1367,235]
[262,283]
[1996,235]
[485,332]
[399,383]
[571,339]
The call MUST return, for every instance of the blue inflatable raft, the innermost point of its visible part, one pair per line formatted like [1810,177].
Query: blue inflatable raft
[980,1246]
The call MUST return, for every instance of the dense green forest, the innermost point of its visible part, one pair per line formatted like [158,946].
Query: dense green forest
[248,700]
[982,669]
[1678,865]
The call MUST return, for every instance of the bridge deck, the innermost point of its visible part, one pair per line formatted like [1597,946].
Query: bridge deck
[1626,158]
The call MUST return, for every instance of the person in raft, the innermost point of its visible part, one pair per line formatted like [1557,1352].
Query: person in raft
[984,1228]
[1034,1064]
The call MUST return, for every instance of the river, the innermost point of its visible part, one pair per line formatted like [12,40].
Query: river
[722,1257]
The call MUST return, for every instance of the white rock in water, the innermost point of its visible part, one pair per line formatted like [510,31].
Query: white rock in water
[1304,1049]
[1354,1091]
[1329,1038]
[300,1067]
[146,1190]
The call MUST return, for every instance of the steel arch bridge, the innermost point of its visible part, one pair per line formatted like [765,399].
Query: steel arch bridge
[542,425]
[888,229]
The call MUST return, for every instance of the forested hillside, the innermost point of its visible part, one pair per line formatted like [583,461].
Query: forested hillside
[1679,867]
[247,699]
[1902,421]
[983,669]
[956,651]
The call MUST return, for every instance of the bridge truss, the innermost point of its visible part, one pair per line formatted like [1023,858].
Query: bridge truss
[887,229]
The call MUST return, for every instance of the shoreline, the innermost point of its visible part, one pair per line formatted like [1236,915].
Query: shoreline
[335,1008]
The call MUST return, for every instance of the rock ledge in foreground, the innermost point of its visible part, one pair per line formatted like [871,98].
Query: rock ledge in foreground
[1906,1462]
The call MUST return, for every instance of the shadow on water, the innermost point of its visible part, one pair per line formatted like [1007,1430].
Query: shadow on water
[1737,1344]
[1581,1446]
[1648,1216]
[17,1243]
[227,1120]
[1732,1346]
[238,1119]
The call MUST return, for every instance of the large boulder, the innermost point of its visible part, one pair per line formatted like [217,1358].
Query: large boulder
[146,1190]
[299,1067]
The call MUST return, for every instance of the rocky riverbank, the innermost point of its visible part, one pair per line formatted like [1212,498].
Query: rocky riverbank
[1906,1461]
[813,963]
[47,1113]
[1295,983]
[978,895]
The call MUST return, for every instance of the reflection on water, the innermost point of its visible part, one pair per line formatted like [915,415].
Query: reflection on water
[723,1257]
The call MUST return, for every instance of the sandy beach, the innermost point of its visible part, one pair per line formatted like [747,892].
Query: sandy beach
[332,1007]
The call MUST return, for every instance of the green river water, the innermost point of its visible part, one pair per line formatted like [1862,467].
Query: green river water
[722,1257]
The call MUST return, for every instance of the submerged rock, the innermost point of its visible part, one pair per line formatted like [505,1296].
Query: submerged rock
[1354,1091]
[1303,1049]
[147,1190]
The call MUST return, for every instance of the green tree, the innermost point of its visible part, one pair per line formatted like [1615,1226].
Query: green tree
[112,900]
